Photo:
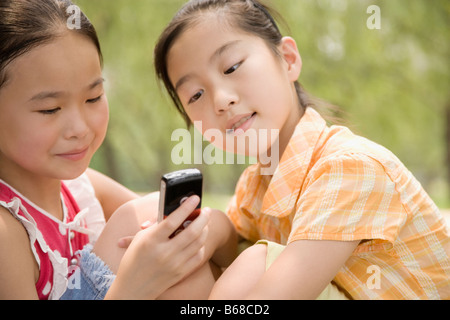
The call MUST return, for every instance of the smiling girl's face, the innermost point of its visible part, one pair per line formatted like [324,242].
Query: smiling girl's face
[54,112]
[231,80]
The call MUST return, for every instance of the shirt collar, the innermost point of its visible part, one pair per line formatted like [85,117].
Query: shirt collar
[284,187]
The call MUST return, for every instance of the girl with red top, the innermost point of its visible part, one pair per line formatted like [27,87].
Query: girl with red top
[54,116]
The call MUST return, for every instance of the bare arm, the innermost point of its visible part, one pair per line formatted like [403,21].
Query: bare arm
[303,270]
[222,239]
[18,268]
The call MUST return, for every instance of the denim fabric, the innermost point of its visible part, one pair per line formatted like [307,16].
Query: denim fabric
[90,280]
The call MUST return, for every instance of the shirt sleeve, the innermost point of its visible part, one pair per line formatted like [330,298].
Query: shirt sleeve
[347,198]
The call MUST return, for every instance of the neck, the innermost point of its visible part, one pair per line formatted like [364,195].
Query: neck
[282,142]
[42,191]
[288,129]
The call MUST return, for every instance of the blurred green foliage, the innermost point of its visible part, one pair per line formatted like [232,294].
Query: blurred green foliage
[392,83]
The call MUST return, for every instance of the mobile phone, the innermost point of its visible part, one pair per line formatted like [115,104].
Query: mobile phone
[176,187]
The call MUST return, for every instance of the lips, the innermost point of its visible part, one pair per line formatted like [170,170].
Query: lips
[74,155]
[242,122]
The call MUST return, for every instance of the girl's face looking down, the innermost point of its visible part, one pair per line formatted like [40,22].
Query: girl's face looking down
[54,112]
[230,80]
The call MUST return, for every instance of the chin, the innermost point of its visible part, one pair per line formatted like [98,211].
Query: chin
[72,173]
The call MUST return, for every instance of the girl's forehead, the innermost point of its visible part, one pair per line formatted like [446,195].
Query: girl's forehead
[66,61]
[203,42]
[207,33]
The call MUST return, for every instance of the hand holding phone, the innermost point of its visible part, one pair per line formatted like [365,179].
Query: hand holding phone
[175,188]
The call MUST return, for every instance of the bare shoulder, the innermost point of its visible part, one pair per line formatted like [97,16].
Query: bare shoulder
[18,268]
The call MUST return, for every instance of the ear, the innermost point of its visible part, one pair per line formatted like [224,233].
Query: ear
[289,52]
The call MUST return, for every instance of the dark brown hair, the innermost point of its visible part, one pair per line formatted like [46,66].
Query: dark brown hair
[251,16]
[26,24]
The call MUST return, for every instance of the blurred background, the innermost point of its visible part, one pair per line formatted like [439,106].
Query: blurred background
[391,85]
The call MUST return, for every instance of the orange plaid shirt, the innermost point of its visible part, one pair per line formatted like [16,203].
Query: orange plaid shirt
[333,185]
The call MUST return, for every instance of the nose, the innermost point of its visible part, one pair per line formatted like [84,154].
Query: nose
[224,99]
[76,123]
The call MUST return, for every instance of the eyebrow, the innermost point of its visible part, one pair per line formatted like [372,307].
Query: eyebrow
[56,94]
[224,48]
[214,56]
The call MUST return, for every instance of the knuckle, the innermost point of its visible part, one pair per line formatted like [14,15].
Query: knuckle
[200,255]
[192,232]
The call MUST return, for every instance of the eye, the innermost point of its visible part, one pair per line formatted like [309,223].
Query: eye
[233,68]
[196,96]
[49,111]
[95,99]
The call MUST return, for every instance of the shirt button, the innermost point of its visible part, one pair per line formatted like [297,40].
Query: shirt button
[74,262]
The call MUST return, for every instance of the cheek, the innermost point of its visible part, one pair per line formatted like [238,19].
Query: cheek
[210,131]
[266,86]
[20,129]
[99,120]
[196,114]
[27,146]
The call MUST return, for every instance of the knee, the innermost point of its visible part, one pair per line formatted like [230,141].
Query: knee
[132,214]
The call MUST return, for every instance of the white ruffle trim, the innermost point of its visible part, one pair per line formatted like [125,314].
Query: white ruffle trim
[60,264]
[82,190]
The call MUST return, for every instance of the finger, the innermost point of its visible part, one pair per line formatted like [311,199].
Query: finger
[196,260]
[195,230]
[194,251]
[176,218]
[147,224]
